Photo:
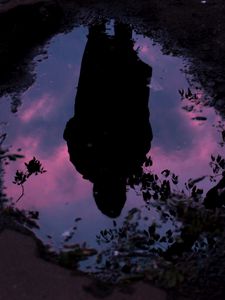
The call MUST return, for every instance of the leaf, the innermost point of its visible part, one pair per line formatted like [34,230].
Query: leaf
[199,191]
[133,211]
[155,196]
[166,173]
[163,240]
[189,93]
[146,195]
[192,182]
[146,233]
[218,159]
[222,163]
[169,233]
[2,138]
[181,92]
[152,229]
[199,118]
[148,162]
[188,108]
[175,179]
[223,135]
[20,178]
[157,236]
[77,219]
[34,215]
[12,157]
[151,242]
[34,167]
[170,240]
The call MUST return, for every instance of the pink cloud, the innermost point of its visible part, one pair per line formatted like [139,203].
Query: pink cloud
[39,108]
[189,162]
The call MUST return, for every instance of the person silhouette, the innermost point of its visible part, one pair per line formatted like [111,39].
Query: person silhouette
[110,134]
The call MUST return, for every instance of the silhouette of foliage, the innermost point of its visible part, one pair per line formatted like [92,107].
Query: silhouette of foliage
[69,257]
[179,244]
[221,129]
[22,217]
[193,102]
[34,166]
[5,155]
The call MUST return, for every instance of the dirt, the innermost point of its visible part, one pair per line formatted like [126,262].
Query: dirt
[25,276]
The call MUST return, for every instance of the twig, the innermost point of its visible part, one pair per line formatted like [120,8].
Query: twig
[2,138]
[22,194]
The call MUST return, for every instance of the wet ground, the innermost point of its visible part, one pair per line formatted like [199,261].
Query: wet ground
[44,280]
[144,149]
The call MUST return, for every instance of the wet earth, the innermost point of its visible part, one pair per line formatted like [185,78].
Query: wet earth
[112,138]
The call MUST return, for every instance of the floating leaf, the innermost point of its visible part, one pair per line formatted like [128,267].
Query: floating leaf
[199,118]
[166,173]
[77,219]
[181,92]
[223,135]
[191,182]
[148,162]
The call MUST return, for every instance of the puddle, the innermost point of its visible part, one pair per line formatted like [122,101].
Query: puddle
[184,134]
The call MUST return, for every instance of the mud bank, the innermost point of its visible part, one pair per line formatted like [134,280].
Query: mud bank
[26,276]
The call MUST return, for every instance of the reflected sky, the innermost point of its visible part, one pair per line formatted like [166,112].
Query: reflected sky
[61,195]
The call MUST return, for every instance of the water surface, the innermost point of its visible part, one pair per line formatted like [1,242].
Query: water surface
[180,142]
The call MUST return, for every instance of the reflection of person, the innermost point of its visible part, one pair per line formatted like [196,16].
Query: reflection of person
[110,134]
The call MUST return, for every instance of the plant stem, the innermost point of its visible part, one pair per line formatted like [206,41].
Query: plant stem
[22,194]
